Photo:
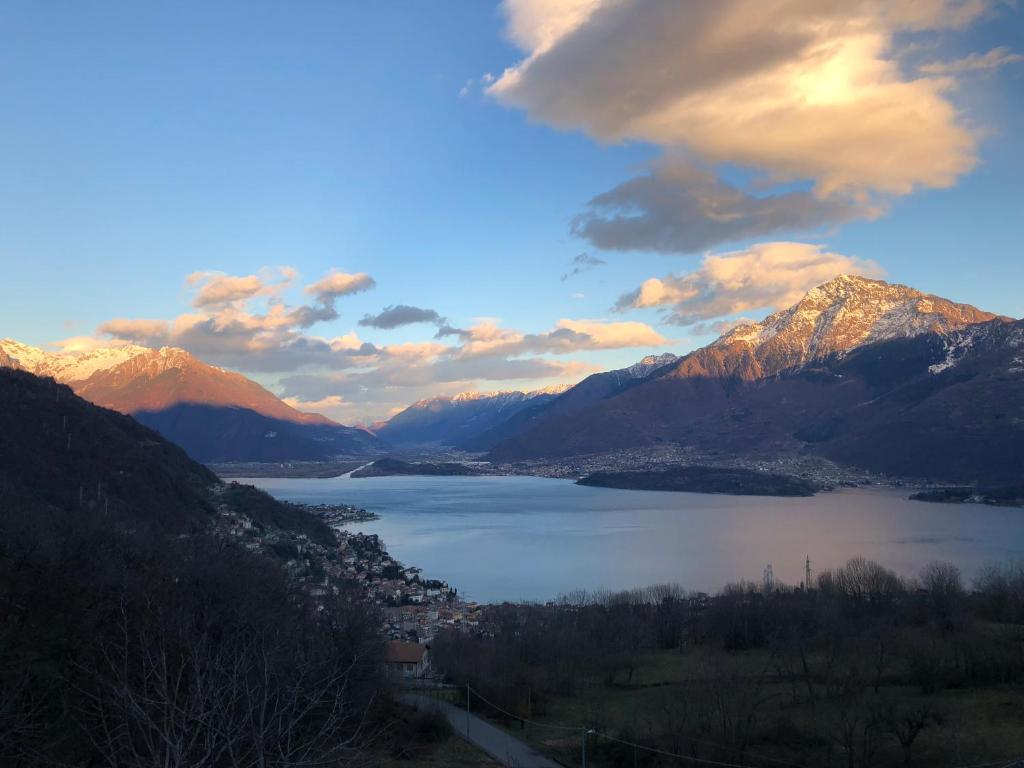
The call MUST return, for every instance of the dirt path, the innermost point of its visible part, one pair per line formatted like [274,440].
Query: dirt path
[502,746]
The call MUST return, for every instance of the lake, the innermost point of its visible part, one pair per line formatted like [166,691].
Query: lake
[530,538]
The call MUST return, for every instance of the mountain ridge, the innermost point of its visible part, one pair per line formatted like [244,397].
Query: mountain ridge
[830,378]
[214,413]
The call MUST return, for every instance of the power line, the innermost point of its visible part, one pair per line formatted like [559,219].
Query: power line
[579,728]
[701,760]
[1013,763]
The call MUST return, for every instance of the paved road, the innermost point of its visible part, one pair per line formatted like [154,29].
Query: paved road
[503,747]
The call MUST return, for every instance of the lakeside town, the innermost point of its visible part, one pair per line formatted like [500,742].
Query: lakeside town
[415,608]
[431,460]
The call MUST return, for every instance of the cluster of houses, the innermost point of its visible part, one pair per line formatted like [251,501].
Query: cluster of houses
[415,609]
[420,623]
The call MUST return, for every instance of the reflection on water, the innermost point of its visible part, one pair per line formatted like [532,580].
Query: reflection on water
[510,538]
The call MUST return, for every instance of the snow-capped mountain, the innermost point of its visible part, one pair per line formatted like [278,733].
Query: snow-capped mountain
[595,387]
[67,367]
[131,379]
[834,318]
[646,366]
[215,414]
[477,420]
[860,371]
[451,420]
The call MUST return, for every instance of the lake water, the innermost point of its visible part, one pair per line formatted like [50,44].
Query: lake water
[512,538]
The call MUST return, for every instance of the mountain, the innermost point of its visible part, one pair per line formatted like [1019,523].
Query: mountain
[127,568]
[860,371]
[215,414]
[843,314]
[454,420]
[592,389]
[59,451]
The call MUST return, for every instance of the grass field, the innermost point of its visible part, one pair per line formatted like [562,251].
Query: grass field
[964,726]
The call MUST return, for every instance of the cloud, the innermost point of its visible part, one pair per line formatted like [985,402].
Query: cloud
[583,263]
[226,330]
[764,276]
[336,284]
[260,334]
[153,333]
[487,339]
[75,345]
[799,89]
[976,62]
[224,289]
[450,330]
[679,208]
[397,315]
[328,403]
[218,289]
[390,386]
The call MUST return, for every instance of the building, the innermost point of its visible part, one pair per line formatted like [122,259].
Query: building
[406,661]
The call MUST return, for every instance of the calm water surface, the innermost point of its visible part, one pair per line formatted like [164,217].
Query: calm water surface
[511,538]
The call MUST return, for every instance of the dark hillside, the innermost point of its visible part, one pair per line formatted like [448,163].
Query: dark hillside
[132,634]
[222,433]
[56,449]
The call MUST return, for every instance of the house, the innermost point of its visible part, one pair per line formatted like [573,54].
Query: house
[405,661]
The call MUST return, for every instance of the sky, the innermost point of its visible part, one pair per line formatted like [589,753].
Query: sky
[364,204]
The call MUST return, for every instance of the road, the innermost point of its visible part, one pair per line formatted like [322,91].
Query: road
[502,746]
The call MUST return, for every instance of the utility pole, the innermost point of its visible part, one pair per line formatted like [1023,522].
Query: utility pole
[807,573]
[467,710]
[584,748]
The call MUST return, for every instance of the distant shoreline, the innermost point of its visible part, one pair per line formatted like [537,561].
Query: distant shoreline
[1001,496]
[706,479]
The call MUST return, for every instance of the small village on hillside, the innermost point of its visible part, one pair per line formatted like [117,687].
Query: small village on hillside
[414,608]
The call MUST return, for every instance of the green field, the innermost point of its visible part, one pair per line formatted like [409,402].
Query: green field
[964,726]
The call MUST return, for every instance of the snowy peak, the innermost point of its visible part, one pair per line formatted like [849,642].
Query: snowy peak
[451,420]
[132,379]
[67,367]
[495,397]
[649,364]
[834,318]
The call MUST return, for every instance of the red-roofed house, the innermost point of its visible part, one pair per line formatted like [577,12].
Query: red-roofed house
[406,660]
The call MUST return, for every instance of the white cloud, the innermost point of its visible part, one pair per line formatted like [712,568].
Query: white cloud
[336,284]
[487,339]
[253,330]
[764,276]
[800,89]
[224,289]
[811,93]
[329,403]
[217,289]
[975,62]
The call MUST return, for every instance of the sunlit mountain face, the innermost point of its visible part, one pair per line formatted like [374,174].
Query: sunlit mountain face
[216,414]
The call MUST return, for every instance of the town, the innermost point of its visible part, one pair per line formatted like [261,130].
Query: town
[414,608]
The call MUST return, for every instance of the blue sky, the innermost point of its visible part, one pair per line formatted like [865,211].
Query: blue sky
[142,143]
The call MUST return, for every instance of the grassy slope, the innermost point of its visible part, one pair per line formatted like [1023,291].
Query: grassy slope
[978,724]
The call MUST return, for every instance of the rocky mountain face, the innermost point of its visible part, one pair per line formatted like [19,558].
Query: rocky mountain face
[475,421]
[591,390]
[860,371]
[454,420]
[157,379]
[832,319]
[215,414]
